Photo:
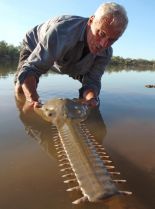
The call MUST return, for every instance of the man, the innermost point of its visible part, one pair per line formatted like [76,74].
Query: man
[77,46]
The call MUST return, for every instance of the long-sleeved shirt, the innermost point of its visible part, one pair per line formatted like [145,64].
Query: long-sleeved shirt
[60,42]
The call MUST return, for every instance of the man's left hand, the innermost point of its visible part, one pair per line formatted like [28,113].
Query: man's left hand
[92,102]
[90,98]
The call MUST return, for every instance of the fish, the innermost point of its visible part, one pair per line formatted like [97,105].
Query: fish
[81,157]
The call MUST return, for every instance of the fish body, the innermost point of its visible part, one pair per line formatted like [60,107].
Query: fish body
[84,160]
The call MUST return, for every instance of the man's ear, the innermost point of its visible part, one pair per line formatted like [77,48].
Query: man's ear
[91,20]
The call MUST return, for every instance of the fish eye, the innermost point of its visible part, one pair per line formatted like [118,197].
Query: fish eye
[50,114]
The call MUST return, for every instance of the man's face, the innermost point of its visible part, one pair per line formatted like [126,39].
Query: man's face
[101,35]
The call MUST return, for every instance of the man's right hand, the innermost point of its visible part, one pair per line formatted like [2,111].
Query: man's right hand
[29,89]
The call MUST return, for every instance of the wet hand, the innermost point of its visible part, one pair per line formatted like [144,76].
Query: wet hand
[28,89]
[29,105]
[93,102]
[90,98]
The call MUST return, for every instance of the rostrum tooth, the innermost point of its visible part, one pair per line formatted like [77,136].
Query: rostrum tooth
[61,152]
[101,153]
[82,199]
[66,169]
[68,175]
[56,139]
[64,164]
[77,188]
[65,159]
[114,173]
[62,155]
[99,147]
[110,166]
[120,181]
[125,192]
[96,143]
[104,156]
[54,130]
[70,181]
[107,161]
[58,145]
[59,148]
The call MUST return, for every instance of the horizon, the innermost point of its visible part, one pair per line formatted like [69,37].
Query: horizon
[137,42]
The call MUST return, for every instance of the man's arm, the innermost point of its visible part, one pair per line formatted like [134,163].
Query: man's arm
[38,63]
[29,89]
[91,83]
[49,49]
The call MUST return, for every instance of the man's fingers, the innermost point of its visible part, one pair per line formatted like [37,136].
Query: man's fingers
[37,104]
[29,106]
[92,102]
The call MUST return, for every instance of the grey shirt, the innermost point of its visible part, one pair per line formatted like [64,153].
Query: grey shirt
[60,42]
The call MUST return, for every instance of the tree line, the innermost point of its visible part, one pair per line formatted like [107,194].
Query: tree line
[10,54]
[132,63]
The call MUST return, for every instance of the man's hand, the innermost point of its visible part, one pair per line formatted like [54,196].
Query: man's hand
[90,98]
[92,102]
[28,88]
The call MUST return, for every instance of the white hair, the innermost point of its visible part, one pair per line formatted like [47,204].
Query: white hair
[117,11]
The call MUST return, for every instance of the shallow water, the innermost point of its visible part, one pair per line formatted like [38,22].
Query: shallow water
[30,177]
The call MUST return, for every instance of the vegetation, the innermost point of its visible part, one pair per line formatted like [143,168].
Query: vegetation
[129,63]
[9,54]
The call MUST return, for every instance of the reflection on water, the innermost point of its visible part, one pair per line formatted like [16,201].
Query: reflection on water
[44,132]
[30,177]
[38,129]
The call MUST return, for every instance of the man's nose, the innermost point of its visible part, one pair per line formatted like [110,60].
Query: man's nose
[104,42]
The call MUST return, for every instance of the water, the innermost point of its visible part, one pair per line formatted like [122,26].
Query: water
[30,177]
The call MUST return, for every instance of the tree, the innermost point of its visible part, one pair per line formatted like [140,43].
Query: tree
[8,52]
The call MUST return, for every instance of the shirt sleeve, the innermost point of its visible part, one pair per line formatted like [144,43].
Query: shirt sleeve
[43,56]
[92,79]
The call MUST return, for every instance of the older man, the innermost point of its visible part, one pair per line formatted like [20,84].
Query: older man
[77,46]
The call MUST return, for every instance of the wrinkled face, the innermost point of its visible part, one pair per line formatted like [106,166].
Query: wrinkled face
[101,35]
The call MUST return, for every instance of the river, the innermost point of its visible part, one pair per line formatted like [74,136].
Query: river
[30,177]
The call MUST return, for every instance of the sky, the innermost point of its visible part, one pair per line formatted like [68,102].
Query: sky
[137,42]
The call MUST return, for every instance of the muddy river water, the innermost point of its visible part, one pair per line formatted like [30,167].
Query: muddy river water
[30,177]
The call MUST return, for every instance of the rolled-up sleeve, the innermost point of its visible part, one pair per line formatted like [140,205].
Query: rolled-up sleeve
[92,79]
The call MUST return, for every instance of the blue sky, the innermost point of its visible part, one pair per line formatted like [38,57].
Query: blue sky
[16,17]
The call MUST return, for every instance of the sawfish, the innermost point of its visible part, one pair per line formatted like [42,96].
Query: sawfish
[81,157]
